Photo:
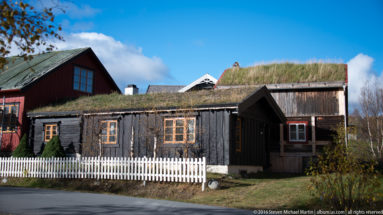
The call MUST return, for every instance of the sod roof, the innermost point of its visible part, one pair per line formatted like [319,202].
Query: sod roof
[283,73]
[117,101]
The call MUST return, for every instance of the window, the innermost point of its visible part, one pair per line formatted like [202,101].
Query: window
[10,117]
[50,130]
[238,135]
[83,80]
[179,130]
[297,131]
[109,132]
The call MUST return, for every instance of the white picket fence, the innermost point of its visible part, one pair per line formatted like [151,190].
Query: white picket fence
[145,169]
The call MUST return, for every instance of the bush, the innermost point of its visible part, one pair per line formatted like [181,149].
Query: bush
[23,149]
[341,180]
[53,148]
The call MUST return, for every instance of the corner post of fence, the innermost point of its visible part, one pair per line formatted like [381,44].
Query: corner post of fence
[98,167]
[203,173]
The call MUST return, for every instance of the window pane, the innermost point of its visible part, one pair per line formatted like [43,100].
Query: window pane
[89,82]
[90,75]
[76,78]
[168,137]
[83,87]
[76,71]
[54,130]
[112,138]
[179,130]
[83,74]
[103,139]
[179,137]
[293,132]
[168,131]
[112,129]
[301,128]
[76,83]
[13,109]
[190,137]
[83,80]
[190,126]
[302,136]
[103,128]
[89,87]
[179,122]
[169,123]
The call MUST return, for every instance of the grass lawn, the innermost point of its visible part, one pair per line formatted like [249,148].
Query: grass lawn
[262,191]
[265,191]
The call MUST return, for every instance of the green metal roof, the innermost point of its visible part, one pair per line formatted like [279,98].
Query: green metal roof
[18,73]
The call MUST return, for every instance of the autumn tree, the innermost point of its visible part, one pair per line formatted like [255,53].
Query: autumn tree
[25,28]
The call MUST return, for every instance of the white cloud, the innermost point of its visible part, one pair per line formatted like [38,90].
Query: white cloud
[125,63]
[359,73]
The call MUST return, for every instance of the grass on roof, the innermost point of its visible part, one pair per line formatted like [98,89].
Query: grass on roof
[283,73]
[117,101]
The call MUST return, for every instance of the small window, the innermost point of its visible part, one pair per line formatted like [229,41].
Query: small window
[238,135]
[10,118]
[109,132]
[83,80]
[179,130]
[50,130]
[297,131]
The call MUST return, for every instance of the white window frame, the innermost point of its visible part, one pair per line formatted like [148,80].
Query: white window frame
[296,139]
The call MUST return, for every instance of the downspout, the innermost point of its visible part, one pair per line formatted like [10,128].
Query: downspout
[2,121]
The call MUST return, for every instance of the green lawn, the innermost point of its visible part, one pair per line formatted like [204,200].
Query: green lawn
[262,191]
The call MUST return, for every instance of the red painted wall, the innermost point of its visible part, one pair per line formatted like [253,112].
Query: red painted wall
[55,86]
[58,85]
[11,139]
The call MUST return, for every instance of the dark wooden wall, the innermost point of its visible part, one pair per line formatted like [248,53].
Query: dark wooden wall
[258,139]
[305,102]
[212,136]
[324,127]
[69,130]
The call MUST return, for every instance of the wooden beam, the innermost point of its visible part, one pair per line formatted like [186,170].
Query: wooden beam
[313,136]
[282,146]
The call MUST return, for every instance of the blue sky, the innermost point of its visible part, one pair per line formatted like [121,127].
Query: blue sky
[175,42]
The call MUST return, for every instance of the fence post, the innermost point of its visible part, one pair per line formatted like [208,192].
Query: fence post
[203,173]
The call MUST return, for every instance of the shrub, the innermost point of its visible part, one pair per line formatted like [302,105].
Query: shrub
[23,149]
[53,148]
[342,181]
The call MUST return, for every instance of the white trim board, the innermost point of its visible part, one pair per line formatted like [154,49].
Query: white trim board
[203,79]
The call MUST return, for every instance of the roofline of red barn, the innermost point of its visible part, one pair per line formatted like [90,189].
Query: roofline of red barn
[215,86]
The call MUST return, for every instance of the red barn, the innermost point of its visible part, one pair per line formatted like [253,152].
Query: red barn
[47,78]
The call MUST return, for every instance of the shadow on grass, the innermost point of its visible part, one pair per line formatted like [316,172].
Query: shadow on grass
[272,175]
[226,184]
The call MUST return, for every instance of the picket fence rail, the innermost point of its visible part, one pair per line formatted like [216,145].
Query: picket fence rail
[191,170]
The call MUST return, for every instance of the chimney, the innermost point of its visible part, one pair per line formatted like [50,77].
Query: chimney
[131,89]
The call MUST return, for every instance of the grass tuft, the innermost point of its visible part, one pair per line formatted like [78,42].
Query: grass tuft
[284,73]
[117,101]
